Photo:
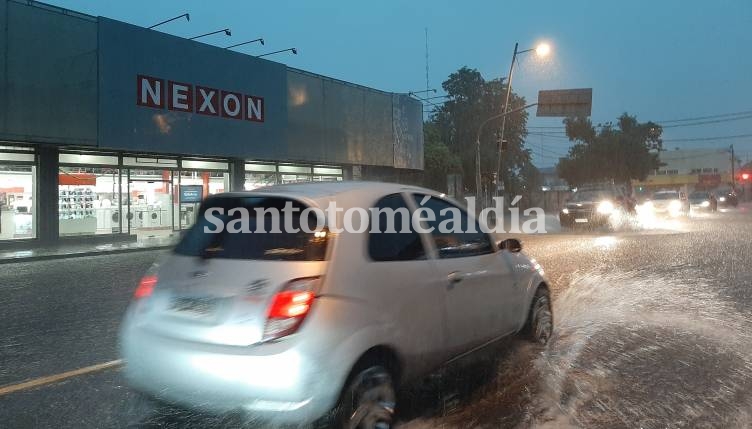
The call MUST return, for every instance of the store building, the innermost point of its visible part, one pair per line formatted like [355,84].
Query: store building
[689,169]
[112,130]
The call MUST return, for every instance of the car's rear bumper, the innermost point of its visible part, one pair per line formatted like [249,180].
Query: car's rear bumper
[271,383]
[582,218]
[662,211]
[700,208]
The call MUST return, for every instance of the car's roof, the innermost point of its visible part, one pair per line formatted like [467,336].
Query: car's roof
[347,192]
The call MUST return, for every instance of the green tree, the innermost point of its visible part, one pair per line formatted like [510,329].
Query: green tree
[471,100]
[439,160]
[621,153]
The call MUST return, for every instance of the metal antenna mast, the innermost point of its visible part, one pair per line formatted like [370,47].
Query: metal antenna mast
[427,86]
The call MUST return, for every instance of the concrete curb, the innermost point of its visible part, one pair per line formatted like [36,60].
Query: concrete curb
[34,258]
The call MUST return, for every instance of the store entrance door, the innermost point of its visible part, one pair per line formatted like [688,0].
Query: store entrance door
[150,204]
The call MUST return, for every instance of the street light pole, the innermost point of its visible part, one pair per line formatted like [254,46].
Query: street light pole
[502,115]
[542,50]
[499,178]
[733,179]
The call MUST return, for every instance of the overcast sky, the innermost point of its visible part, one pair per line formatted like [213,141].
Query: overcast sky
[659,59]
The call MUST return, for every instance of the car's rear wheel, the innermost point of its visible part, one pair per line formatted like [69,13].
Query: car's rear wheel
[368,400]
[540,320]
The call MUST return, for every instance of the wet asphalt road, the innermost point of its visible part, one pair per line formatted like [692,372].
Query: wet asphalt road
[654,329]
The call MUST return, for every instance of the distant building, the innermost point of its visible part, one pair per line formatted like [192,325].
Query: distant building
[555,190]
[689,169]
[552,181]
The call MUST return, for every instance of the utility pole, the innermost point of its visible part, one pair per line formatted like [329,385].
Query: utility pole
[477,140]
[733,177]
[500,185]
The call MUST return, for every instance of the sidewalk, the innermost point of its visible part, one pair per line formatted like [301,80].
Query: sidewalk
[74,250]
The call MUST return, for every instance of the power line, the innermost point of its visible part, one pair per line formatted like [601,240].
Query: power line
[550,146]
[695,139]
[549,157]
[537,146]
[550,152]
[553,136]
[716,121]
[681,158]
[700,118]
[702,139]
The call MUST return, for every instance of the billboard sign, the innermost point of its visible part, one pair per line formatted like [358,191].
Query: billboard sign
[565,102]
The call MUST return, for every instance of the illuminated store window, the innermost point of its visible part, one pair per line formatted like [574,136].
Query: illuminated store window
[258,175]
[89,200]
[17,194]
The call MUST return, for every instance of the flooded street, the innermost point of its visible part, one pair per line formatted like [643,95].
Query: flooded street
[653,330]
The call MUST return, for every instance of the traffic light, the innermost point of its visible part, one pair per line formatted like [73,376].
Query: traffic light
[745,176]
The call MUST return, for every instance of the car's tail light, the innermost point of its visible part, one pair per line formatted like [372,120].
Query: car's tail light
[289,307]
[145,287]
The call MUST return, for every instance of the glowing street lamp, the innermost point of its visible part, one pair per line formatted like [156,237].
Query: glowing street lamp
[542,50]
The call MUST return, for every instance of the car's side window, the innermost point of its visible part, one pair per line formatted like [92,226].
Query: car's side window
[458,240]
[396,240]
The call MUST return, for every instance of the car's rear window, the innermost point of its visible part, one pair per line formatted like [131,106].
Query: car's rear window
[666,196]
[275,241]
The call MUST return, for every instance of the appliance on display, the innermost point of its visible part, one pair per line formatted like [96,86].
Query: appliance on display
[76,209]
[76,202]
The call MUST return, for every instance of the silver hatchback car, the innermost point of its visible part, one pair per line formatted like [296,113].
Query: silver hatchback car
[297,327]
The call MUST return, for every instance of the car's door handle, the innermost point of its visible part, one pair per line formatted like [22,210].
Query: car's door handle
[454,277]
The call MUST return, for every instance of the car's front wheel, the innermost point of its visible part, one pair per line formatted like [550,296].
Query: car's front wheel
[540,320]
[368,400]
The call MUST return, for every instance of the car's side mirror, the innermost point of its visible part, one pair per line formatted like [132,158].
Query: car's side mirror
[511,245]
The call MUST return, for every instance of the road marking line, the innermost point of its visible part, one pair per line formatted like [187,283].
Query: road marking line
[11,388]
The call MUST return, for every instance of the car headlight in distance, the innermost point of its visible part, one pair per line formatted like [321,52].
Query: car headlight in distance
[675,205]
[565,210]
[606,207]
[705,204]
[722,199]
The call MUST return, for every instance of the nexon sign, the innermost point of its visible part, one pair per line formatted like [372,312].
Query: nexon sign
[203,100]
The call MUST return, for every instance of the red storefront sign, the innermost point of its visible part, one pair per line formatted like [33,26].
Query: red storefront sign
[77,179]
[185,97]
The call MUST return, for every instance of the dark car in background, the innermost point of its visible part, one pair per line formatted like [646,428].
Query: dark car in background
[598,206]
[726,197]
[703,201]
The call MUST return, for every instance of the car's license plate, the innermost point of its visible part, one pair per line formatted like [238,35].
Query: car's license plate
[581,220]
[194,306]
